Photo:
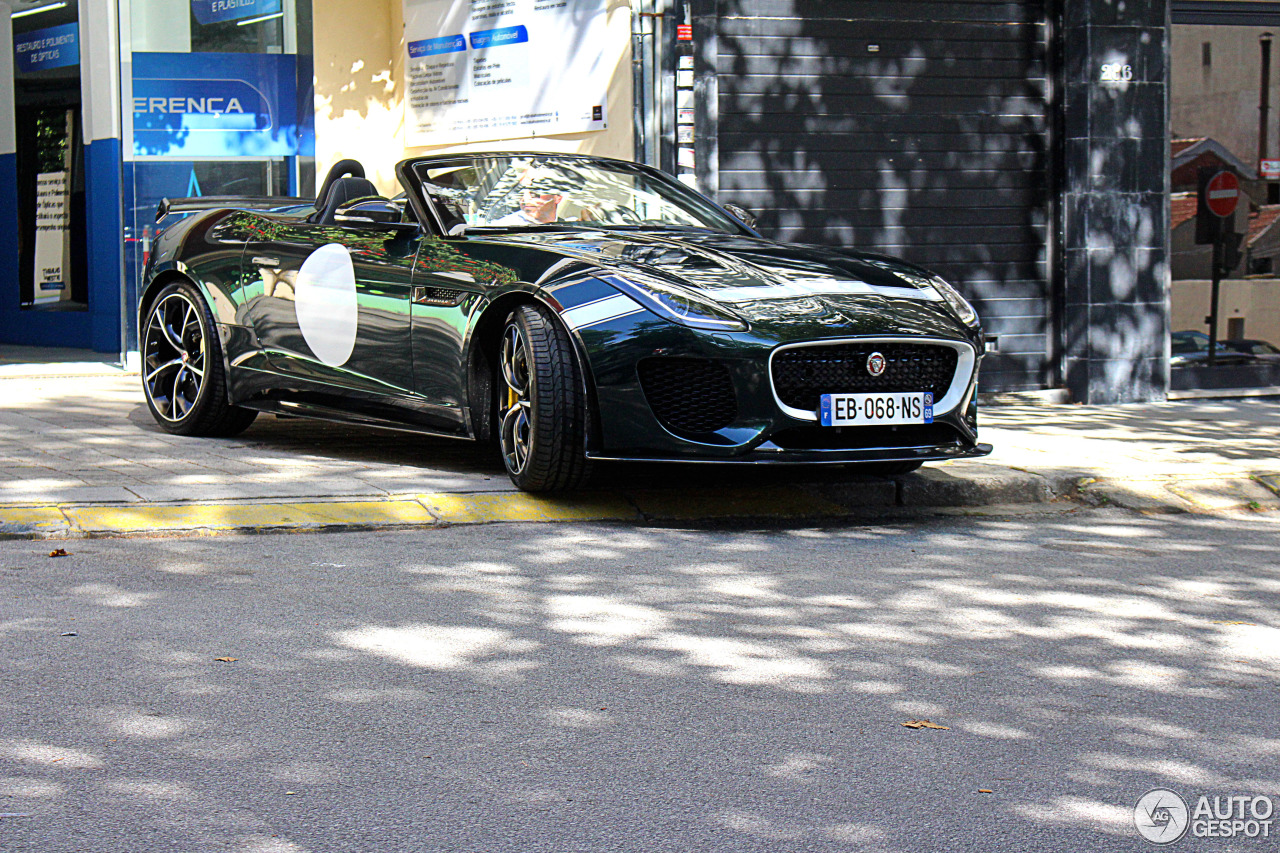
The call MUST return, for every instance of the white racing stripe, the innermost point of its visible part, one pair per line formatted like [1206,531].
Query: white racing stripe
[819,287]
[608,308]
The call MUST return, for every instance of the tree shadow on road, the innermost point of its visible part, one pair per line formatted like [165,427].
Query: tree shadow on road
[553,687]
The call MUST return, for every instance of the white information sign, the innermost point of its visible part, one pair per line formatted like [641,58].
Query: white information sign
[52,231]
[503,69]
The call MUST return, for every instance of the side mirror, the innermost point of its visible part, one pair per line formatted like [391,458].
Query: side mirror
[741,214]
[369,211]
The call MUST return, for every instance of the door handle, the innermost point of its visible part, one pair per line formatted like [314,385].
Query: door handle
[263,261]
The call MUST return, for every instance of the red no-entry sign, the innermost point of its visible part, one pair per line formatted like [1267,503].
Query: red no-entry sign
[1222,194]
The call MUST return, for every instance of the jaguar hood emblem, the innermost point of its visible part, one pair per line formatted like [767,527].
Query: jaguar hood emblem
[876,364]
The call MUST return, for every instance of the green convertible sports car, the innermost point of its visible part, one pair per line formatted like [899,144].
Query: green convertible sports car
[567,308]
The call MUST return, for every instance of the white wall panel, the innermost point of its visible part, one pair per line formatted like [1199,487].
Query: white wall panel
[100,69]
[8,135]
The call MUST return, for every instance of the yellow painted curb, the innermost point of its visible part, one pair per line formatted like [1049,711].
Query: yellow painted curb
[1226,493]
[35,517]
[516,506]
[1271,482]
[240,516]
[734,503]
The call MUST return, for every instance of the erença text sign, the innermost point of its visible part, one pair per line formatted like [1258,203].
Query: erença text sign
[505,69]
[215,105]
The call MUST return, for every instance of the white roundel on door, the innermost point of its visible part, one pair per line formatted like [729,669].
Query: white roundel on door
[325,301]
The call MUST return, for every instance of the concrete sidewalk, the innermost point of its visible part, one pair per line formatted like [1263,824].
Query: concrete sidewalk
[81,456]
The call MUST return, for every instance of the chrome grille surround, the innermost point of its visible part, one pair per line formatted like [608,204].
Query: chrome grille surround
[954,395]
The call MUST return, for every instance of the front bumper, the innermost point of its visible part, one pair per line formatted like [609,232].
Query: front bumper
[769,454]
[764,429]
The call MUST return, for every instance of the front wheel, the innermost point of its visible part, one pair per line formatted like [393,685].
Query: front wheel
[541,408]
[182,371]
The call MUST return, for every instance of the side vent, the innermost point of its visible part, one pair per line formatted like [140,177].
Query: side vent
[443,297]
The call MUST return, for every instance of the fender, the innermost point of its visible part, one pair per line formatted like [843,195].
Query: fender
[168,264]
[486,320]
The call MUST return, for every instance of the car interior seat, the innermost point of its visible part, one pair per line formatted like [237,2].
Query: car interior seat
[343,191]
[344,182]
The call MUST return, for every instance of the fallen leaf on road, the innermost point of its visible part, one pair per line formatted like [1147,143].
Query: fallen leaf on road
[924,724]
[59,552]
[985,791]
[227,660]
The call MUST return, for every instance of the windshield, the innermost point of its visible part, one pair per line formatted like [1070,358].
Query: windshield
[528,191]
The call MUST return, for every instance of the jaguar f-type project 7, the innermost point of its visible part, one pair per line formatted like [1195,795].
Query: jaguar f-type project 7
[565,309]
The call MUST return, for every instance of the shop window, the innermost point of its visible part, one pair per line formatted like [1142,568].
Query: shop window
[52,272]
[262,33]
[210,26]
[221,105]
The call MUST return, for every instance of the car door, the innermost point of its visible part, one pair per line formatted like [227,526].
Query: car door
[333,309]
[448,285]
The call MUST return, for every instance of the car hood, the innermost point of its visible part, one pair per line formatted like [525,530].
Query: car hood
[760,280]
[734,270]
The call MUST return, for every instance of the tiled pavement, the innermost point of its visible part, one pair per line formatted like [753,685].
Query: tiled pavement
[85,441]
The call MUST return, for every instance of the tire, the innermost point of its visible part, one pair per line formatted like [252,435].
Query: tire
[540,405]
[886,469]
[182,369]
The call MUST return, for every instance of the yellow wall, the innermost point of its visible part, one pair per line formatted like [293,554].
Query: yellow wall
[1256,300]
[359,83]
[359,112]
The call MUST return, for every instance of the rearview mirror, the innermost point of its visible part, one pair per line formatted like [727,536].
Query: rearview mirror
[741,214]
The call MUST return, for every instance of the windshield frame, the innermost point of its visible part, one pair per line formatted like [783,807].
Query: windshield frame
[412,174]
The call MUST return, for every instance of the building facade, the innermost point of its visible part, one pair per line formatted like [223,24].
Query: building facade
[1019,147]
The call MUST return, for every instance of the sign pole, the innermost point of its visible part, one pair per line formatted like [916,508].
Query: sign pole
[1216,206]
[1213,297]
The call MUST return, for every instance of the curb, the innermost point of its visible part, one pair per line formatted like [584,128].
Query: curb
[982,490]
[1164,496]
[919,491]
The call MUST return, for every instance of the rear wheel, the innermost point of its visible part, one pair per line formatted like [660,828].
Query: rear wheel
[541,408]
[182,371]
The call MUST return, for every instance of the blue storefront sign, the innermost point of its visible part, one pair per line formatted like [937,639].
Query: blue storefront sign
[436,46]
[219,105]
[496,38]
[52,47]
[217,11]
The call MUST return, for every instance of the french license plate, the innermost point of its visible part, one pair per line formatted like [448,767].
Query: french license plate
[867,409]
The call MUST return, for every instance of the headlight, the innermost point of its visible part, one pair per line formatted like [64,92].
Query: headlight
[958,303]
[677,304]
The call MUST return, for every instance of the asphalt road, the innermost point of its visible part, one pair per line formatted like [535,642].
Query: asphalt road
[593,687]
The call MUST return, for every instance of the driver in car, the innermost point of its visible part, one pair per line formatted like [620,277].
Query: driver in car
[539,202]
[541,195]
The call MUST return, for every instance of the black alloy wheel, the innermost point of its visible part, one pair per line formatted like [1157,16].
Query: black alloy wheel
[182,371]
[540,406]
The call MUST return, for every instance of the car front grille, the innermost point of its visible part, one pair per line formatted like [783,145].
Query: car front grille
[689,395]
[801,375]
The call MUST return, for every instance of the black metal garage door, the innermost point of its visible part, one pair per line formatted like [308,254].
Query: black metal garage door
[914,128]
